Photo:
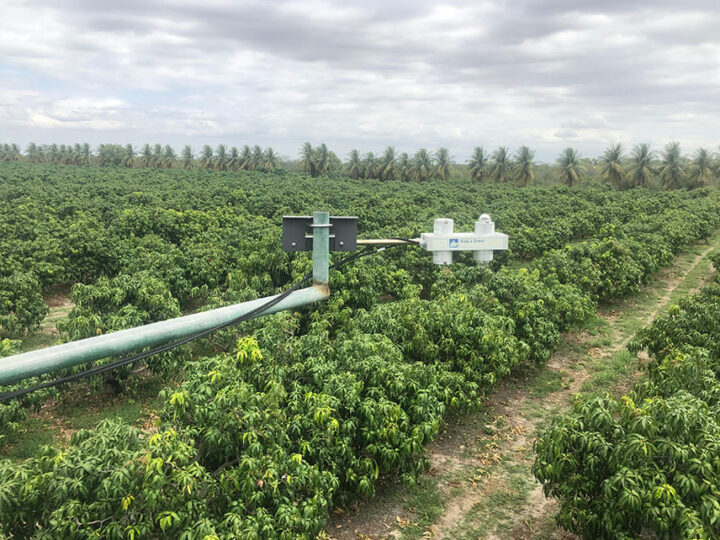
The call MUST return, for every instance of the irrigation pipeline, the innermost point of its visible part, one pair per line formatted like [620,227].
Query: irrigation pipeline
[14,394]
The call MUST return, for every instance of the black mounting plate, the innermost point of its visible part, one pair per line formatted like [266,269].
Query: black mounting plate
[297,233]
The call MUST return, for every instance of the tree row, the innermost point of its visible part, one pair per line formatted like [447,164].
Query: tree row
[642,167]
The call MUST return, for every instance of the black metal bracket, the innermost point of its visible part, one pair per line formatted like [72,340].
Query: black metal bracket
[297,233]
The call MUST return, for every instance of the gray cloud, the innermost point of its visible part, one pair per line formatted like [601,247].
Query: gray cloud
[365,74]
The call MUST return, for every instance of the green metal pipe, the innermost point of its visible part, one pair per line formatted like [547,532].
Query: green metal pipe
[30,364]
[33,363]
[321,247]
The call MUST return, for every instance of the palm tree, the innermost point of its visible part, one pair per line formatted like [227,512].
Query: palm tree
[307,159]
[641,160]
[404,167]
[33,153]
[245,158]
[369,165]
[353,164]
[271,159]
[85,154]
[234,159]
[672,173]
[257,157]
[701,168]
[102,154]
[169,157]
[334,163]
[66,154]
[206,157]
[146,155]
[611,166]
[157,156]
[53,153]
[422,165]
[571,172]
[128,156]
[77,153]
[478,164]
[321,157]
[524,169]
[41,153]
[442,163]
[63,155]
[10,152]
[501,166]
[110,154]
[386,170]
[220,160]
[188,159]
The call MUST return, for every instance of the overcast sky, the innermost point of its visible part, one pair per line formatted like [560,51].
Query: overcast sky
[365,74]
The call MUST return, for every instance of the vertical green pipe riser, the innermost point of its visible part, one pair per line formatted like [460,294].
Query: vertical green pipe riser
[321,248]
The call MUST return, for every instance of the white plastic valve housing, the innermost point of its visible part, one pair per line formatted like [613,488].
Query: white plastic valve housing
[443,227]
[483,241]
[484,227]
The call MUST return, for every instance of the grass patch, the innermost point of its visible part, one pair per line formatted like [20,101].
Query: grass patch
[632,320]
[82,409]
[45,334]
[127,410]
[496,511]
[610,372]
[85,411]
[426,503]
[532,410]
[39,340]
[693,281]
[599,342]
[595,325]
[546,382]
[26,442]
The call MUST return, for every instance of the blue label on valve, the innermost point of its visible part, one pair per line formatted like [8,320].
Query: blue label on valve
[453,243]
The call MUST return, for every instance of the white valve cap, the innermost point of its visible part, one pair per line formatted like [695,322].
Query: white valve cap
[484,225]
[443,226]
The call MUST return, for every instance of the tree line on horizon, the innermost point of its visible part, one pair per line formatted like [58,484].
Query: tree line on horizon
[642,167]
[156,156]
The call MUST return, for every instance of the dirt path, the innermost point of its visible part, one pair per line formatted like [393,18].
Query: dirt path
[60,305]
[480,471]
